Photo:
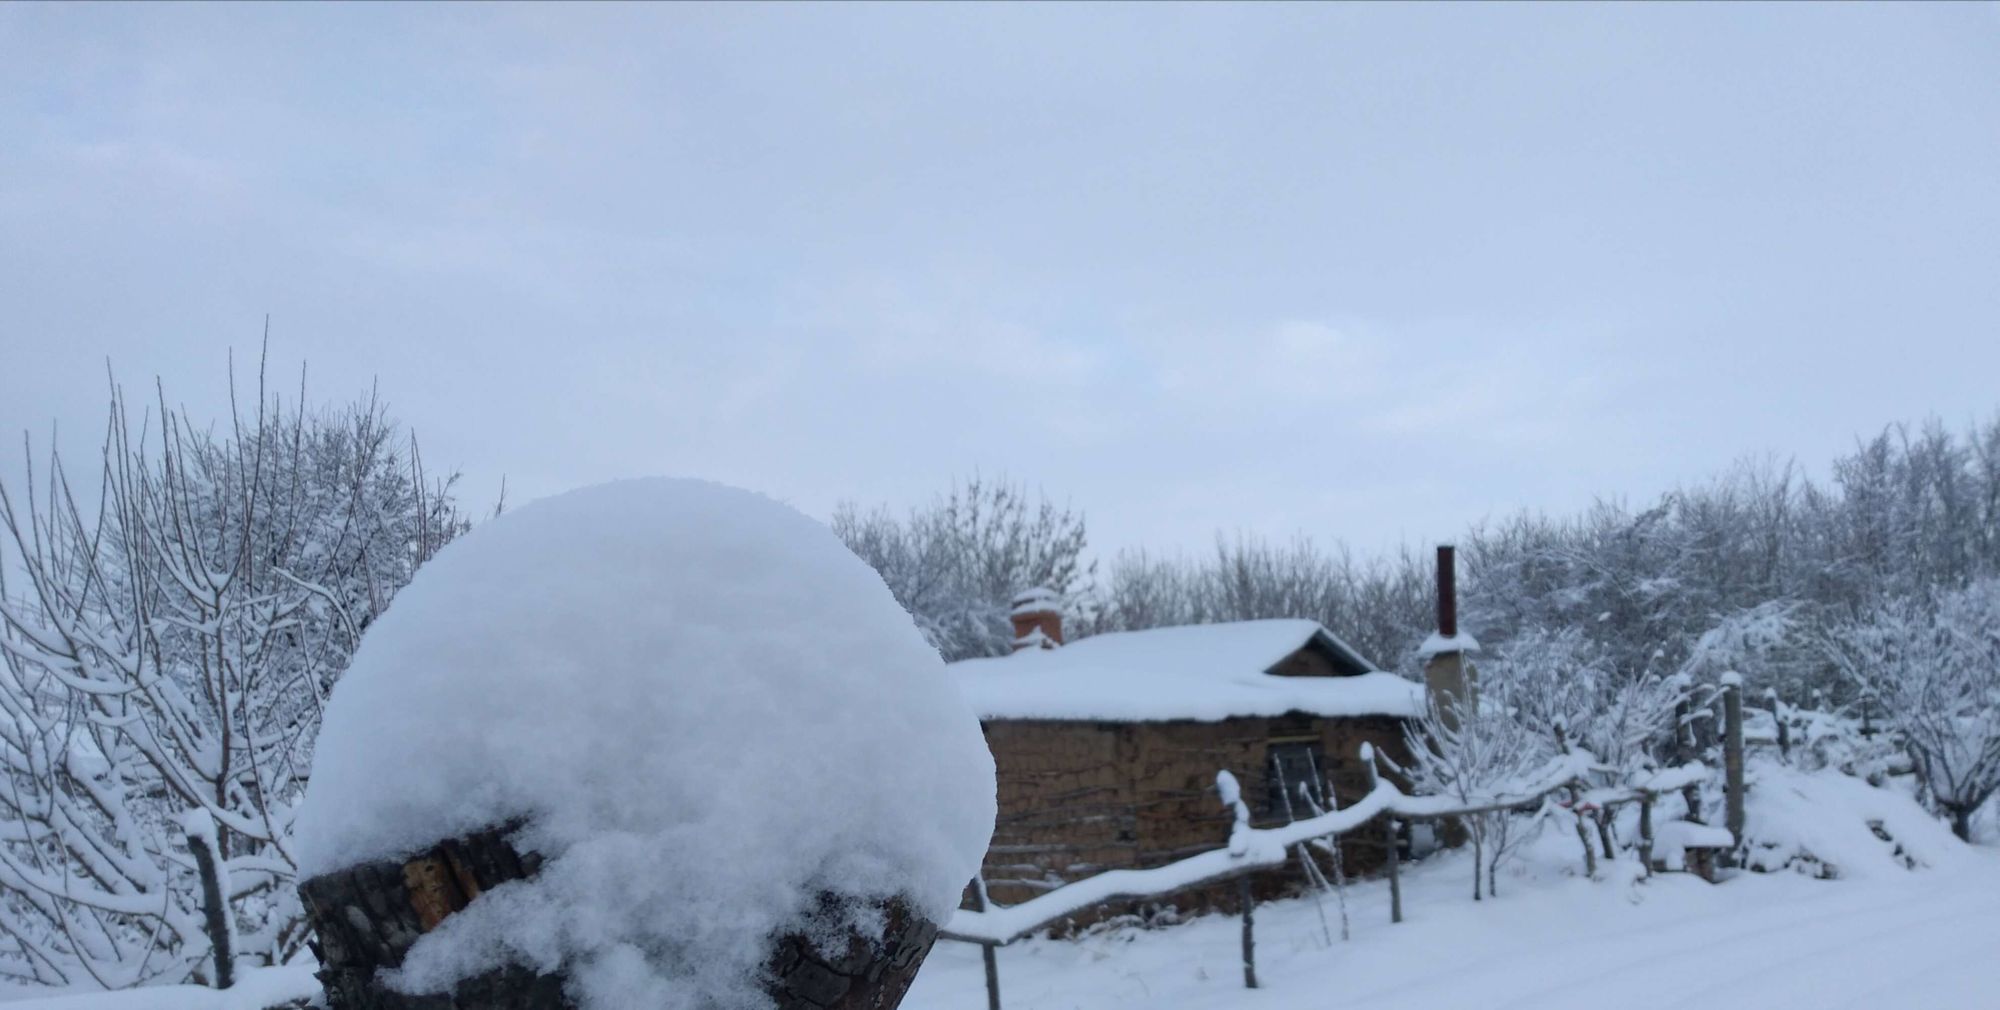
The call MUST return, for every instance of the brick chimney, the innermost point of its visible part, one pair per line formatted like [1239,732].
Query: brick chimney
[1448,673]
[1037,616]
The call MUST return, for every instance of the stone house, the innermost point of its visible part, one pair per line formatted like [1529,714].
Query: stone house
[1107,748]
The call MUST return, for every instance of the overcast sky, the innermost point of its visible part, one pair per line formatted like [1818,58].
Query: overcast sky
[1369,273]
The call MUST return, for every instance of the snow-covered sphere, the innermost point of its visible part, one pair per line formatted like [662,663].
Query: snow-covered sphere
[704,707]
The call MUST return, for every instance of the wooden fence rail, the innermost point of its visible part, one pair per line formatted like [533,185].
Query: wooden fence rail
[993,926]
[1253,849]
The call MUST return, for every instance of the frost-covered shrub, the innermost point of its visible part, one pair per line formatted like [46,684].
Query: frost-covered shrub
[957,563]
[1816,738]
[706,712]
[1472,753]
[1934,667]
[1828,824]
[165,652]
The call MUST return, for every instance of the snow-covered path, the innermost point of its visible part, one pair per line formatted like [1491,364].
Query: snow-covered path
[1769,941]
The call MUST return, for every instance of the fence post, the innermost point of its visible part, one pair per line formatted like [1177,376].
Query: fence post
[1778,718]
[1646,833]
[1732,751]
[1687,747]
[1576,810]
[1249,935]
[987,952]
[1394,841]
[1391,841]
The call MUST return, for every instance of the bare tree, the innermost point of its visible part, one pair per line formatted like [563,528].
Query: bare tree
[1382,609]
[957,563]
[1472,754]
[163,658]
[1758,549]
[1935,668]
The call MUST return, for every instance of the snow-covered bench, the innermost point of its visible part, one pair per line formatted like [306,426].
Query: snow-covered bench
[1687,847]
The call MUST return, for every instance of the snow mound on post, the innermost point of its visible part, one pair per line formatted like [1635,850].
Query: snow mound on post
[703,707]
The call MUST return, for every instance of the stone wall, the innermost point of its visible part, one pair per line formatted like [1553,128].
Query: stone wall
[1066,807]
[1078,798]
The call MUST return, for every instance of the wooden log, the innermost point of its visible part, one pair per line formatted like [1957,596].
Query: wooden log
[366,918]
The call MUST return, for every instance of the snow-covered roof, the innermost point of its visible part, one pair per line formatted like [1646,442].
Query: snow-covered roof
[1198,671]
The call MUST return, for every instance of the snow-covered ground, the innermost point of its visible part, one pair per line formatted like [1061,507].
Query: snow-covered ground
[1878,936]
[1550,941]
[257,989]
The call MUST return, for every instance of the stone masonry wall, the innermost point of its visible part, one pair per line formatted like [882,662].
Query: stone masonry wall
[1077,798]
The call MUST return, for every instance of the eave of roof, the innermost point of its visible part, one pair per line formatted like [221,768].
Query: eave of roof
[1192,672]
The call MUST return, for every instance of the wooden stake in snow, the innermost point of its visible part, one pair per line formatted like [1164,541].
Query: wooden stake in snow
[1778,718]
[1646,833]
[1239,845]
[1249,931]
[988,952]
[1732,752]
[1391,840]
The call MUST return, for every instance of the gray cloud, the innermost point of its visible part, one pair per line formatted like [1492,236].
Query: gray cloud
[1367,272]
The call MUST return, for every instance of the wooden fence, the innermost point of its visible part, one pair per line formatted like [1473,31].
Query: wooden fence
[1251,850]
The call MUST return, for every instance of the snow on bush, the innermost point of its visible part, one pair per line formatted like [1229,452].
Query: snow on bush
[1828,824]
[703,707]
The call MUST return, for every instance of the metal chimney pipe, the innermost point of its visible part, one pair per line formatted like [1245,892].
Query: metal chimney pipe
[1447,591]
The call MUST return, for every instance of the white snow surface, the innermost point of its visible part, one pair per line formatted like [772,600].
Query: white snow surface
[255,989]
[1824,823]
[1551,941]
[1672,840]
[1197,671]
[703,707]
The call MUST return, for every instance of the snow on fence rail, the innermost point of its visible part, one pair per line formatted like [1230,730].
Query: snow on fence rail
[1270,848]
[1251,849]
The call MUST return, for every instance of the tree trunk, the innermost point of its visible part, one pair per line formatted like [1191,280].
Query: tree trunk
[1583,835]
[1961,822]
[367,918]
[1478,858]
[215,911]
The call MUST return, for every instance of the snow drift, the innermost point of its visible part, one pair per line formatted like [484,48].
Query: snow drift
[704,709]
[1827,824]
